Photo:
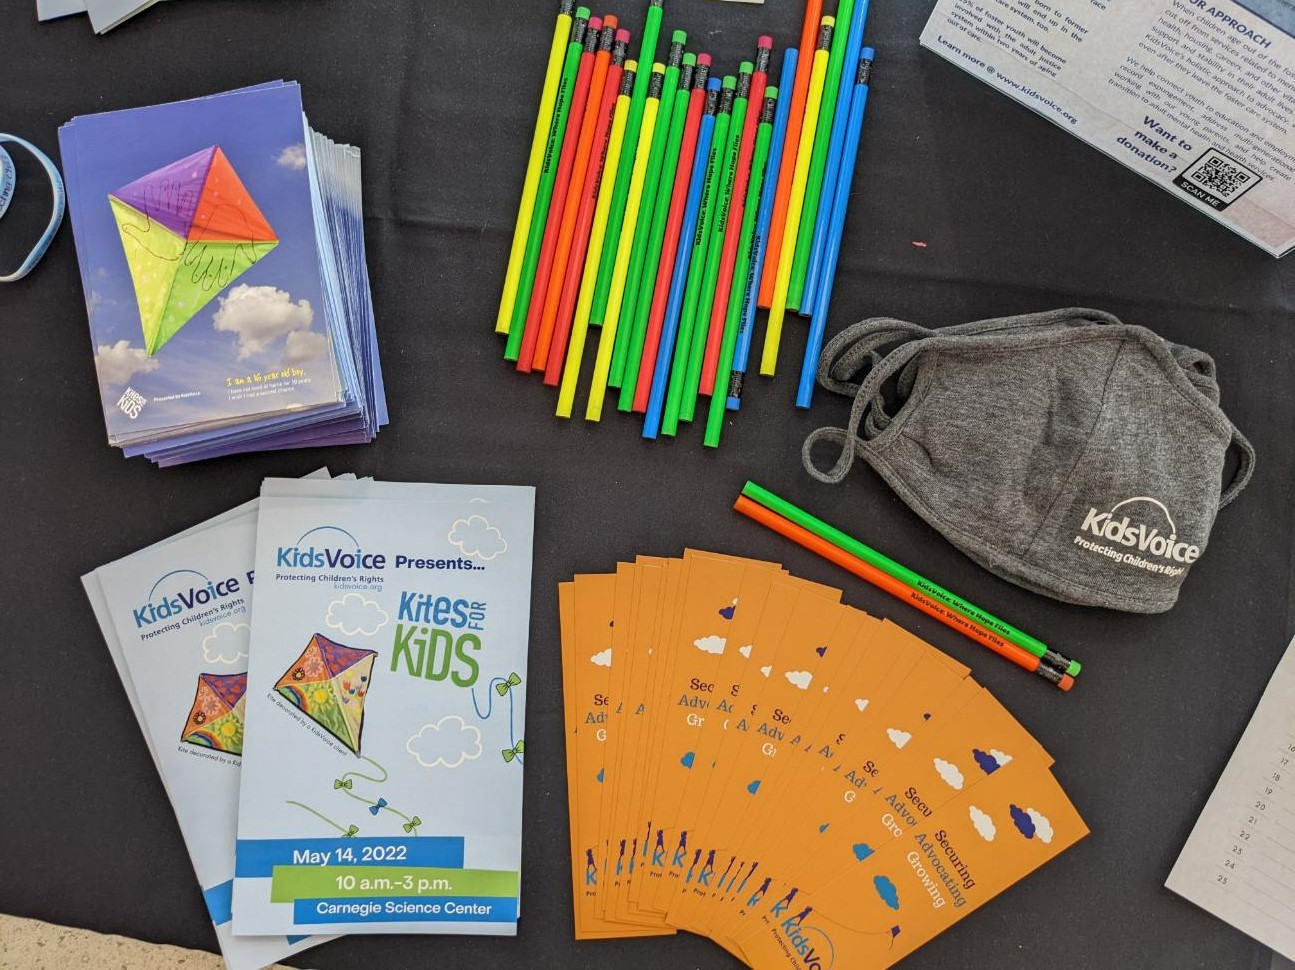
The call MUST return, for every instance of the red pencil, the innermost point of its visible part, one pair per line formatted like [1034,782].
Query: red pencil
[562,181]
[568,267]
[674,222]
[736,211]
[790,148]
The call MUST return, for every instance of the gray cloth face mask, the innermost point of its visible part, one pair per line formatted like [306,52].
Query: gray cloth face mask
[1067,452]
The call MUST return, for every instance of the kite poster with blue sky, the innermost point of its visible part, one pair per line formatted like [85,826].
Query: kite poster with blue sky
[221,249]
[382,780]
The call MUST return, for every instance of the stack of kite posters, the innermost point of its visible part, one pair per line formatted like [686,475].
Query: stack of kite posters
[807,785]
[221,249]
[176,620]
[385,709]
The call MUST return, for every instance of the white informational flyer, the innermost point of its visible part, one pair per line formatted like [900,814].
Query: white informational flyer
[1196,95]
[1239,861]
[175,618]
[382,790]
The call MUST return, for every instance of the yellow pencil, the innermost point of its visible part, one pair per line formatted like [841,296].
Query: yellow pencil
[796,201]
[607,340]
[543,120]
[580,331]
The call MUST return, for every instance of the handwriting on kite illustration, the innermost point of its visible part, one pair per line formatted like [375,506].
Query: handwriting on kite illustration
[329,683]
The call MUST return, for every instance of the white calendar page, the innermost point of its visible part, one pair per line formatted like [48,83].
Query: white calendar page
[1239,862]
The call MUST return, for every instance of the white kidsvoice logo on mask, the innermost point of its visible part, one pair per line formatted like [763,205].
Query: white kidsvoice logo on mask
[1138,525]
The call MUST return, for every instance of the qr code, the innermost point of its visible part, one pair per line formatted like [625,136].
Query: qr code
[1217,180]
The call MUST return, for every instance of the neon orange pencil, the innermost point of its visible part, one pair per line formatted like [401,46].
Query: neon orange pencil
[566,162]
[799,95]
[901,590]
[588,202]
[575,191]
[736,211]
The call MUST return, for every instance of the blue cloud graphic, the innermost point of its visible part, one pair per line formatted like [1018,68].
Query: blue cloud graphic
[1022,820]
[862,851]
[988,763]
[887,891]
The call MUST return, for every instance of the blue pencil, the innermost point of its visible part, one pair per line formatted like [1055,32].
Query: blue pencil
[841,202]
[742,352]
[836,145]
[683,257]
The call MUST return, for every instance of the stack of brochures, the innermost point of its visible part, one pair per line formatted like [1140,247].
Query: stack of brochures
[221,247]
[345,754]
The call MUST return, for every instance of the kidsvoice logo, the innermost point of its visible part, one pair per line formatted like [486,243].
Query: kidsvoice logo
[1146,539]
[812,945]
[348,555]
[186,595]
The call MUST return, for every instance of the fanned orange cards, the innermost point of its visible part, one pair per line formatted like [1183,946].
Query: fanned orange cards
[808,786]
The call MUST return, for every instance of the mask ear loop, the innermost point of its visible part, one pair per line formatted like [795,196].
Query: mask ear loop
[8,178]
[867,396]
[1247,468]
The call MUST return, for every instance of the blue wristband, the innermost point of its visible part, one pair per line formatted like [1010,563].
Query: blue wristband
[8,179]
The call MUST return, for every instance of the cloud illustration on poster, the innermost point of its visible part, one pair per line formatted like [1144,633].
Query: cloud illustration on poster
[799,678]
[897,737]
[447,743]
[304,346]
[985,827]
[887,891]
[293,158]
[1042,826]
[1024,822]
[118,363]
[603,658]
[259,315]
[991,760]
[861,703]
[745,651]
[949,772]
[477,537]
[710,644]
[226,643]
[354,615]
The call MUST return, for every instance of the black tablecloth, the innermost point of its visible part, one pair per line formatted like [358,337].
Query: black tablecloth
[1016,216]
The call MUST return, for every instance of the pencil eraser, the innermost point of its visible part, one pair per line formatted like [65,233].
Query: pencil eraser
[622,36]
[713,84]
[771,93]
[595,24]
[690,58]
[582,13]
[867,53]
[703,60]
[632,66]
[730,81]
[611,20]
[746,67]
[1066,682]
[829,21]
[658,68]
[765,41]
[679,37]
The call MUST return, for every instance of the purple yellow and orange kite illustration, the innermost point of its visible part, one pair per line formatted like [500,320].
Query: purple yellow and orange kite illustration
[189,229]
[328,683]
[216,719]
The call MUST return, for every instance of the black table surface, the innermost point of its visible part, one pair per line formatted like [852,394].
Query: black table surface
[1016,216]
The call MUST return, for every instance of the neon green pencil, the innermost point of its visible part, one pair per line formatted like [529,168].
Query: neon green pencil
[629,151]
[679,389]
[549,174]
[656,238]
[723,202]
[818,159]
[737,294]
[639,242]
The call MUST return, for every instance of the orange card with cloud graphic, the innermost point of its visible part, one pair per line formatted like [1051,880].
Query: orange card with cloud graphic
[916,886]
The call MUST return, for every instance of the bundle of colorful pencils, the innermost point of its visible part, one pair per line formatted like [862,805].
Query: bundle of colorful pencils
[660,201]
